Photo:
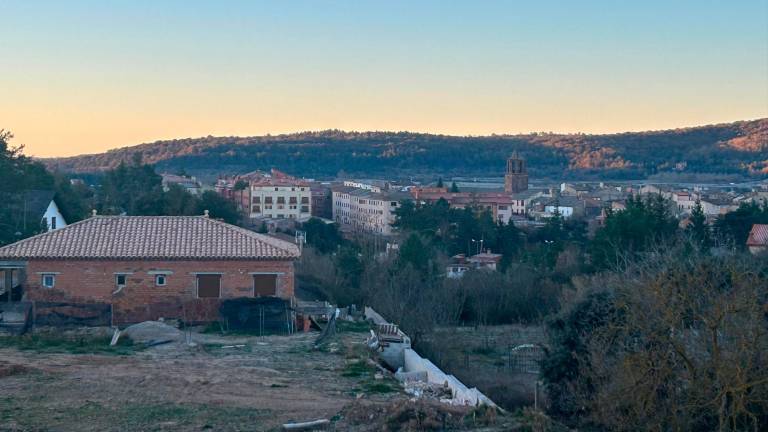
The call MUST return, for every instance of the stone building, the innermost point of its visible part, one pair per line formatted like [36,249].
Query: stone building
[516,177]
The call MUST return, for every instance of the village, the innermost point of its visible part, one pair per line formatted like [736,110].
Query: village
[241,317]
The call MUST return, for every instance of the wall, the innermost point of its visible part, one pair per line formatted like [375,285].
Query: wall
[51,212]
[141,300]
[462,395]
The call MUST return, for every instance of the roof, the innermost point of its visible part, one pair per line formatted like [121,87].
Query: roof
[486,257]
[153,238]
[35,202]
[758,236]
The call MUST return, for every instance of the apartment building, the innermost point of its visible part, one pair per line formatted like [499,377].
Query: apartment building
[365,208]
[273,195]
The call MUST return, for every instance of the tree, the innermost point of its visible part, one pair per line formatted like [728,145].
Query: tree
[179,202]
[324,237]
[240,186]
[415,253]
[440,182]
[676,341]
[698,228]
[454,188]
[629,232]
[18,174]
[734,227]
[131,189]
[218,207]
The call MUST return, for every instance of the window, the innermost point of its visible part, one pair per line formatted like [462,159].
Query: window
[257,209]
[305,209]
[160,280]
[268,200]
[120,280]
[257,200]
[281,200]
[208,285]
[53,222]
[264,285]
[292,200]
[49,280]
[304,200]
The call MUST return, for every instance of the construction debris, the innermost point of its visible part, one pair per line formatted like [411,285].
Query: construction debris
[151,333]
[310,425]
[419,376]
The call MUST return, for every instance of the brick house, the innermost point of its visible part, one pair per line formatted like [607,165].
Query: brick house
[147,267]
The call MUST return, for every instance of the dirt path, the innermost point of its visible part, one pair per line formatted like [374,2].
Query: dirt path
[174,387]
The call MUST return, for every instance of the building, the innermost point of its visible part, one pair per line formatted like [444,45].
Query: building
[322,200]
[365,208]
[460,264]
[148,267]
[485,261]
[499,204]
[684,201]
[757,242]
[189,184]
[717,205]
[273,195]
[38,207]
[516,176]
[457,266]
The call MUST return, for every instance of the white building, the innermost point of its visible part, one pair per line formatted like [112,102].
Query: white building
[273,195]
[365,209]
[190,184]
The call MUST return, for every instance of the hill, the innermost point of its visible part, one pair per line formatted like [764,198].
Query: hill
[733,150]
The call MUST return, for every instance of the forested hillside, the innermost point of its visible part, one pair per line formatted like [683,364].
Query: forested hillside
[736,149]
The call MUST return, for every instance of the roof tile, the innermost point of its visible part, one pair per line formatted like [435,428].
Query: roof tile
[150,237]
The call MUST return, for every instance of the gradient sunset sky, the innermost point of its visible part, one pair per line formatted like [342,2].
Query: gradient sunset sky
[83,77]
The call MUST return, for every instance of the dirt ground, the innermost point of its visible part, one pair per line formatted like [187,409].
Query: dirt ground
[174,387]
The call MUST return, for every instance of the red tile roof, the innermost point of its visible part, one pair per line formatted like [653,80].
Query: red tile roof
[758,236]
[151,237]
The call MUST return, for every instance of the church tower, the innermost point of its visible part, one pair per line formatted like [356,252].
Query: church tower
[516,177]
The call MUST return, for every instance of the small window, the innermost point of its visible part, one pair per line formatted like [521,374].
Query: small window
[49,280]
[120,280]
[160,280]
[53,222]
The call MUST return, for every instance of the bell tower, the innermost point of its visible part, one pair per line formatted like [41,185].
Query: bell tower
[516,177]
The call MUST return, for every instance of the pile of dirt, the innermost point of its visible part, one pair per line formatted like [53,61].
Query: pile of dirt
[153,333]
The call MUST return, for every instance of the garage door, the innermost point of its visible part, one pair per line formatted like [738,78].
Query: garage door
[208,286]
[264,285]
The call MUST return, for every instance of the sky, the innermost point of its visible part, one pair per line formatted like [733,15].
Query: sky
[83,77]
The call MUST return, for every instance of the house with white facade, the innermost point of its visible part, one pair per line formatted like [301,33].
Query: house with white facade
[273,195]
[40,207]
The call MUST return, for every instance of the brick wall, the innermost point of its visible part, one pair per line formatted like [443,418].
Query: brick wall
[141,299]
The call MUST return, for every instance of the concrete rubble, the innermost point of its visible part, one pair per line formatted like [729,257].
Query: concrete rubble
[419,376]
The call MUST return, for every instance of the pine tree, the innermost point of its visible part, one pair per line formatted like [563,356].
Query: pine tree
[698,227]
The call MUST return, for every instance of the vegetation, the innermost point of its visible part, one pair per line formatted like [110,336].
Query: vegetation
[676,341]
[54,343]
[18,175]
[727,149]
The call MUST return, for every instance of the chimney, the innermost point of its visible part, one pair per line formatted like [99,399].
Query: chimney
[205,213]
[94,213]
